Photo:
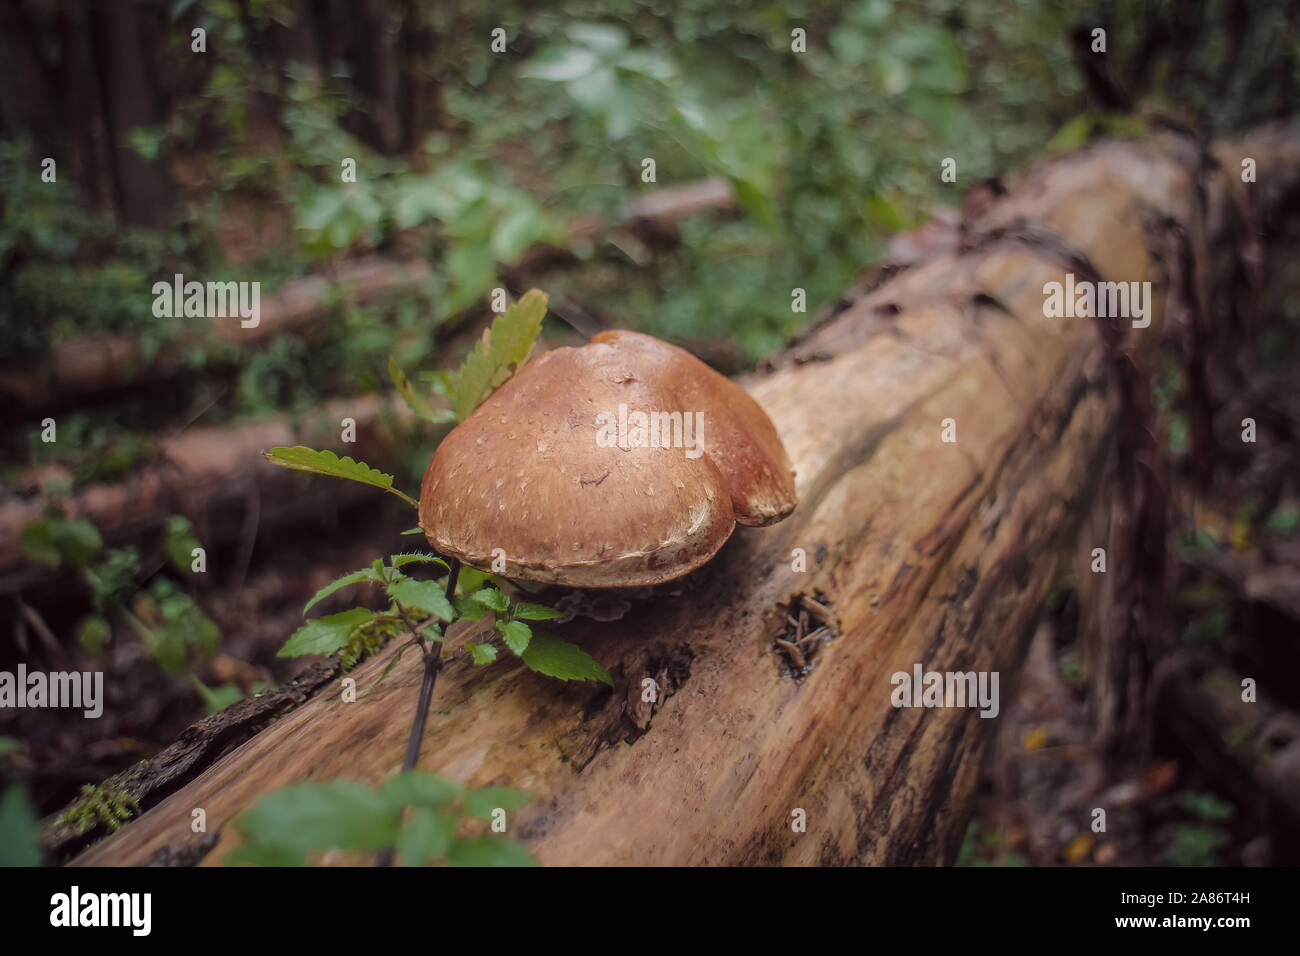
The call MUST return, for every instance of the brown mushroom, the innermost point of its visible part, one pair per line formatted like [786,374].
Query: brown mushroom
[624,462]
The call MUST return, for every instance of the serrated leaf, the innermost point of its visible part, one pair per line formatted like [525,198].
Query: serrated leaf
[482,654]
[426,594]
[489,851]
[402,560]
[535,612]
[503,348]
[516,634]
[549,655]
[338,584]
[325,635]
[425,836]
[467,608]
[491,598]
[419,788]
[301,458]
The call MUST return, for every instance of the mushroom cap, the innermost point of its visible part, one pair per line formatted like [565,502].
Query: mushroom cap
[738,435]
[526,474]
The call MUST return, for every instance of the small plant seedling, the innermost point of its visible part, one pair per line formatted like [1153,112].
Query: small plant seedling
[418,815]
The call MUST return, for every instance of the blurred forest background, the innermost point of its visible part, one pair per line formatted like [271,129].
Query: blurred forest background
[774,170]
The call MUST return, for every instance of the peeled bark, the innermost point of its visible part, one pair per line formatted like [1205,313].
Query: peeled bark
[928,552]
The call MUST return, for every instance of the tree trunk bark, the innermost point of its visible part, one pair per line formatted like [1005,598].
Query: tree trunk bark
[927,552]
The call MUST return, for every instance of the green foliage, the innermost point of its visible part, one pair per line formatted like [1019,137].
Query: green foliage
[339,632]
[416,402]
[181,543]
[328,463]
[502,350]
[1206,806]
[170,623]
[549,655]
[1209,627]
[1285,519]
[96,806]
[55,540]
[421,814]
[20,832]
[1198,843]
[415,600]
[166,619]
[325,635]
[338,584]
[983,847]
[535,612]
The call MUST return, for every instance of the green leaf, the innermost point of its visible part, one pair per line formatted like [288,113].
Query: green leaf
[491,598]
[20,843]
[560,64]
[301,458]
[1206,806]
[416,530]
[426,594]
[535,612]
[549,655]
[402,560]
[37,541]
[414,400]
[504,347]
[419,788]
[517,635]
[305,818]
[338,584]
[489,851]
[181,543]
[1073,135]
[52,541]
[481,653]
[470,579]
[77,540]
[467,608]
[217,699]
[325,635]
[603,38]
[1285,519]
[483,802]
[425,836]
[93,633]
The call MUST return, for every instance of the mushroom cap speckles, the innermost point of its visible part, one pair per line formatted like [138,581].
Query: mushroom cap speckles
[739,437]
[525,473]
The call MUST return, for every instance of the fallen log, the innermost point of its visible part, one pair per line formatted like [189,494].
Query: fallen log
[206,473]
[927,552]
[108,362]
